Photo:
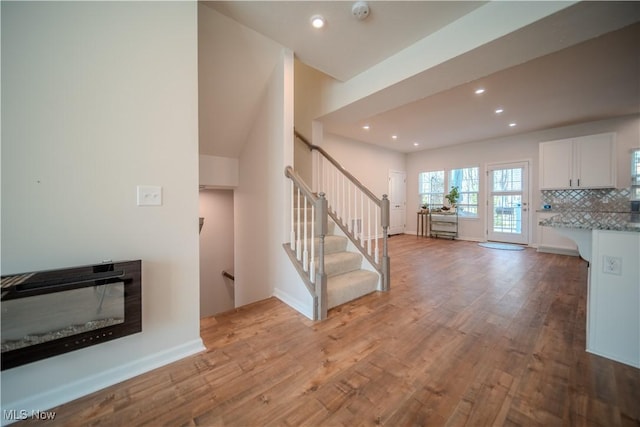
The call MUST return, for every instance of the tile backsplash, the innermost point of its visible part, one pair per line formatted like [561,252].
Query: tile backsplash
[595,200]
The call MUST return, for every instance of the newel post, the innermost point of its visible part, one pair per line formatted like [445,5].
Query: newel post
[384,219]
[320,311]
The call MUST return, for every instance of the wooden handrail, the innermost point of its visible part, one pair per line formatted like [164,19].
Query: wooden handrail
[291,174]
[346,173]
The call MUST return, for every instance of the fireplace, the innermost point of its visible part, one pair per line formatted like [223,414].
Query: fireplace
[47,313]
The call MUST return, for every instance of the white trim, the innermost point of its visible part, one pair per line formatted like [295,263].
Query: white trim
[293,302]
[557,250]
[68,392]
[487,194]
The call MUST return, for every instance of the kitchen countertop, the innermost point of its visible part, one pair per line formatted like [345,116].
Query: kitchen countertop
[616,221]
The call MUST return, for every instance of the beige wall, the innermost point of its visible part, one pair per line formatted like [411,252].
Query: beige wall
[97,98]
[218,172]
[216,252]
[309,101]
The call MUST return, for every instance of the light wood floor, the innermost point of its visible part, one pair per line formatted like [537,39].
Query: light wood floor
[466,336]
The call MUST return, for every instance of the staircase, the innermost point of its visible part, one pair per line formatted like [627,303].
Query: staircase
[335,235]
[346,278]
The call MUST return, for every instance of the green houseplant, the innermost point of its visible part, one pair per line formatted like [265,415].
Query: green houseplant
[453,196]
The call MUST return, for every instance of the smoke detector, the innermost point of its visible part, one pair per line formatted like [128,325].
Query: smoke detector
[360,10]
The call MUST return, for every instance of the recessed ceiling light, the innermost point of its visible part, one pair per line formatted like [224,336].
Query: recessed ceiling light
[479,91]
[512,124]
[415,144]
[499,110]
[366,127]
[394,136]
[317,21]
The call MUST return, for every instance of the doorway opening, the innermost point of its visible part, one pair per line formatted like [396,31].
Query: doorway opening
[216,251]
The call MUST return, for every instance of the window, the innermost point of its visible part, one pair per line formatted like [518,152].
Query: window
[635,175]
[468,182]
[431,188]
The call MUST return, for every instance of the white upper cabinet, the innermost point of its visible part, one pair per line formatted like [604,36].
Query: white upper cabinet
[582,162]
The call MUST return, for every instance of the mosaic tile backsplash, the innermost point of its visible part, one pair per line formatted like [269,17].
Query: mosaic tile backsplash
[594,200]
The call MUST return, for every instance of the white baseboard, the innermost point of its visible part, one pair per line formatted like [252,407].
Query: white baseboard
[559,251]
[68,392]
[634,363]
[295,303]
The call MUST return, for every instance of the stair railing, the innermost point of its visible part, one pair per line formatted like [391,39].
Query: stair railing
[363,217]
[309,223]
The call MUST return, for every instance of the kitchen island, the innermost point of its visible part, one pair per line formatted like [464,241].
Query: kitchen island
[610,243]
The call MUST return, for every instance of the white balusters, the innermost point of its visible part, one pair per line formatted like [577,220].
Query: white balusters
[305,253]
[312,261]
[377,257]
[292,236]
[362,219]
[298,245]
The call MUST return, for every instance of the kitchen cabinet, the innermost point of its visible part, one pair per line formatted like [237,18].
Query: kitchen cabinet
[550,241]
[576,163]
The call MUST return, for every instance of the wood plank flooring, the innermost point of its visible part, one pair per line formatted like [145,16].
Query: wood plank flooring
[467,336]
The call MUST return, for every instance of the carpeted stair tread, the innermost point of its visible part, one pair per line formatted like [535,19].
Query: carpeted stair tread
[349,286]
[341,262]
[332,244]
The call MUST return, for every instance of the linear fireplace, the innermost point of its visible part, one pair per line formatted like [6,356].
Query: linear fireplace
[47,313]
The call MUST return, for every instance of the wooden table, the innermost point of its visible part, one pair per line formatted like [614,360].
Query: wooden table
[422,220]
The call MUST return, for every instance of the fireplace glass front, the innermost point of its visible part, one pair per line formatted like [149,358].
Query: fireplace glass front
[53,312]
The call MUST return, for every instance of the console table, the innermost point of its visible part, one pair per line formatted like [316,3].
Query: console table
[443,224]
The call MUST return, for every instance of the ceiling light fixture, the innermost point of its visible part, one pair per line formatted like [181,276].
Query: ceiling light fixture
[512,124]
[366,127]
[479,91]
[317,21]
[394,136]
[415,144]
[499,110]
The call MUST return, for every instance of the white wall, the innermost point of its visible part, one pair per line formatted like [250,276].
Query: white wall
[369,163]
[229,101]
[216,252]
[218,172]
[513,148]
[262,268]
[98,97]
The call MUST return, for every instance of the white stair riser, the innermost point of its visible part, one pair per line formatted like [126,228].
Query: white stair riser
[349,286]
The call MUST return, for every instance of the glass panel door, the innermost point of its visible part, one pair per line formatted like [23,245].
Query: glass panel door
[508,203]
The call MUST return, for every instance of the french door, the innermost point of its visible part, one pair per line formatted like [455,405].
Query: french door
[508,203]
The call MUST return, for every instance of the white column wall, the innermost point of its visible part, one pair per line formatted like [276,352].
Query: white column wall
[97,98]
[262,268]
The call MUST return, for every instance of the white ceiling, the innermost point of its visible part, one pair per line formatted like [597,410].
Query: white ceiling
[346,46]
[594,79]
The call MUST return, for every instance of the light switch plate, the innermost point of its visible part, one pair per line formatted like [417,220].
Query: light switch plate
[149,195]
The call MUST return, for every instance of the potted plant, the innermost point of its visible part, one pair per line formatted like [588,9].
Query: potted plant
[453,197]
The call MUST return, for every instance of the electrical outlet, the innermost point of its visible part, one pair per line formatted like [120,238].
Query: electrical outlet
[612,265]
[149,195]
